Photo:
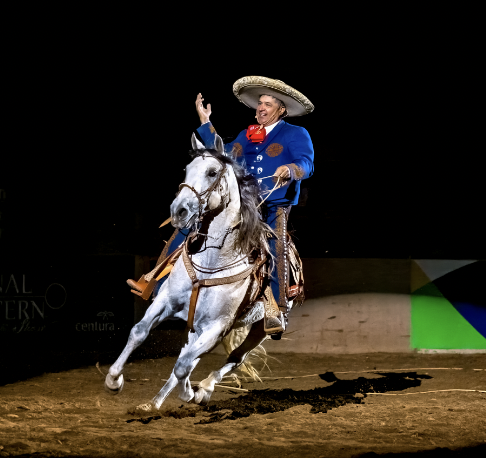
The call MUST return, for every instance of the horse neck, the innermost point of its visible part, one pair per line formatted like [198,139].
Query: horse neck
[224,222]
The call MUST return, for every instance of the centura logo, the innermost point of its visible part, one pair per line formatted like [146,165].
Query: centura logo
[96,325]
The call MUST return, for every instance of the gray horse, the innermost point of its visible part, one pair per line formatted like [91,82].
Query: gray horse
[232,227]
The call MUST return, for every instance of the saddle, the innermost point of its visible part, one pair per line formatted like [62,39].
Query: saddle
[294,287]
[259,269]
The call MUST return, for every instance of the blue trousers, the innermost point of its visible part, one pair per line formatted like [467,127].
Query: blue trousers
[276,218]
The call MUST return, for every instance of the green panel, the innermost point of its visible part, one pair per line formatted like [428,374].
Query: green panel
[436,324]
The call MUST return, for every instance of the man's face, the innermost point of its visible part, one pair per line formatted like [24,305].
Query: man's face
[267,106]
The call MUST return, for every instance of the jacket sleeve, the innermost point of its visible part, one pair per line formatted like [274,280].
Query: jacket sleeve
[302,152]
[208,133]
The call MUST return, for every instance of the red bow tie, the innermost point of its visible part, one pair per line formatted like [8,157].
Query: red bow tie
[256,133]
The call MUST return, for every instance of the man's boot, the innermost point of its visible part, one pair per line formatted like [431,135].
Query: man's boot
[272,319]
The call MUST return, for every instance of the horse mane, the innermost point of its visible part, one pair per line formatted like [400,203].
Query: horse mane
[253,230]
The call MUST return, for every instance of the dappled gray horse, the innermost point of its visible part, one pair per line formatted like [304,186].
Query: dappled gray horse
[231,228]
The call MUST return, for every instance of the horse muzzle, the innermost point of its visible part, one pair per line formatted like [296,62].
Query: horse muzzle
[183,213]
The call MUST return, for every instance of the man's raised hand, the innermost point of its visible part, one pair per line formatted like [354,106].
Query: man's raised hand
[204,113]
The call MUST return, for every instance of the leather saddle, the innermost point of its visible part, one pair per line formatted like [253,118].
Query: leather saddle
[295,279]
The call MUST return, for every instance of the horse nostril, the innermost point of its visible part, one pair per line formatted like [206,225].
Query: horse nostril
[182,213]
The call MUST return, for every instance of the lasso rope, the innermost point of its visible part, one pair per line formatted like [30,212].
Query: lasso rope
[349,372]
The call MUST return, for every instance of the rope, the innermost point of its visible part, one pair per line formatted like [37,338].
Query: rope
[372,370]
[219,386]
[270,193]
[209,270]
[424,392]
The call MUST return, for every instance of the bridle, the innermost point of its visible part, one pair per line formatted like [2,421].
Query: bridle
[204,196]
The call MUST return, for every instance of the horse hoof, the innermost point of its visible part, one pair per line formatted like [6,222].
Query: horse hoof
[202,396]
[145,407]
[187,396]
[113,386]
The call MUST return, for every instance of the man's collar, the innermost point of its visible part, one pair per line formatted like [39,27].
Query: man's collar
[269,128]
[276,128]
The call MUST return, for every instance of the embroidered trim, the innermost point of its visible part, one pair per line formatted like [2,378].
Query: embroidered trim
[212,129]
[270,306]
[298,172]
[281,249]
[280,86]
[274,149]
[237,150]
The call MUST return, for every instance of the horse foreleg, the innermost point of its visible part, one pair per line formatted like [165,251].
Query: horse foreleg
[187,361]
[254,338]
[153,316]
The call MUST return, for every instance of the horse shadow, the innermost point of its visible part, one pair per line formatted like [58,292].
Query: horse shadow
[340,393]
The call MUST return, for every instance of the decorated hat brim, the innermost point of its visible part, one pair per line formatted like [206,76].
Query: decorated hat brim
[249,89]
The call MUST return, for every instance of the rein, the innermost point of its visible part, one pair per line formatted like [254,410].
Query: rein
[209,190]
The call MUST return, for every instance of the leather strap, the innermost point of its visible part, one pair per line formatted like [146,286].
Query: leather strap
[145,294]
[167,270]
[192,306]
[167,221]
[196,284]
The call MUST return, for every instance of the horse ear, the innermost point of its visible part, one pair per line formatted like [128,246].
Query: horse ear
[218,144]
[196,144]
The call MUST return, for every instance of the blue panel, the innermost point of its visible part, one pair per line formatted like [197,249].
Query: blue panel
[465,289]
[475,314]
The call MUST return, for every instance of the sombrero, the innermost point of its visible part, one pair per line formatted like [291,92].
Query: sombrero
[249,89]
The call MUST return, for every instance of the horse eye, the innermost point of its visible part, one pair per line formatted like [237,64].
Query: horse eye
[212,173]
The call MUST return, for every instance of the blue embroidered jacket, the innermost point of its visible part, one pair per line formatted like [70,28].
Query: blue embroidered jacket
[285,145]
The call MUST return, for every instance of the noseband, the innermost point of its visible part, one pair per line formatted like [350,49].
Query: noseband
[204,196]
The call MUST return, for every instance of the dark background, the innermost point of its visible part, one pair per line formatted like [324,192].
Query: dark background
[97,131]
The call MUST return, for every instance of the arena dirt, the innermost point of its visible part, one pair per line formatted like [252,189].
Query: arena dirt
[330,414]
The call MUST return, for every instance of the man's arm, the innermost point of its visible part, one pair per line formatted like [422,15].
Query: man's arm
[204,113]
[207,130]
[302,151]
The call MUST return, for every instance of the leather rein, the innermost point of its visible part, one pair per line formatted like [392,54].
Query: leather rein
[200,195]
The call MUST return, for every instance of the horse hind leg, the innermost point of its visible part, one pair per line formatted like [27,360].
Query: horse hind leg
[254,338]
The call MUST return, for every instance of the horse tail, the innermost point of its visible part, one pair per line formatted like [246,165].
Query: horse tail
[233,340]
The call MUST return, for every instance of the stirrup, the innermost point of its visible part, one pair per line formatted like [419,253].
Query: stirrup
[142,287]
[272,325]
[139,285]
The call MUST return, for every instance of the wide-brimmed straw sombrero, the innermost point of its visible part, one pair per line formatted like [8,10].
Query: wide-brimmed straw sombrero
[249,89]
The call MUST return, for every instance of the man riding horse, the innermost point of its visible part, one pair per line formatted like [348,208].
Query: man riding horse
[273,151]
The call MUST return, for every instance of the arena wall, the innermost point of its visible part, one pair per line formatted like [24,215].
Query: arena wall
[352,306]
[386,305]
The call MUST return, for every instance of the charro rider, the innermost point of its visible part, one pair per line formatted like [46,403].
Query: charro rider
[273,150]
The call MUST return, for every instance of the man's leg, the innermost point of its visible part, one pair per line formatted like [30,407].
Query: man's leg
[277,220]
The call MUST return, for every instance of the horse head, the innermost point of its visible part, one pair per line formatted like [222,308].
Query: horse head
[207,185]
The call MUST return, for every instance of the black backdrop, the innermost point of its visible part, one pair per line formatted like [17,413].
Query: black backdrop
[98,135]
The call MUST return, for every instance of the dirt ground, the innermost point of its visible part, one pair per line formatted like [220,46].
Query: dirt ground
[327,415]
